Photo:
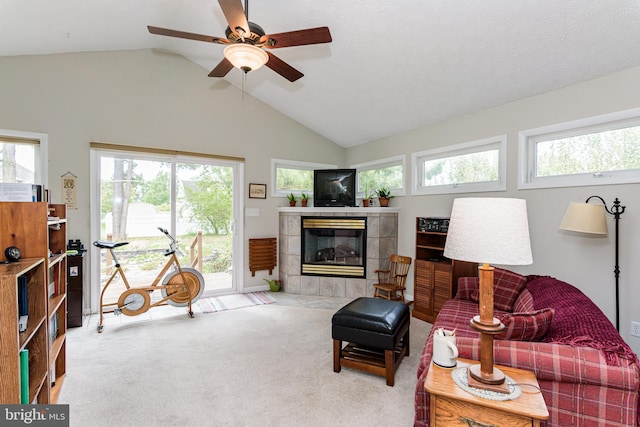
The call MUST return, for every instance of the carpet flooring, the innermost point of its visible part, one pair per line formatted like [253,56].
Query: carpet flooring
[266,365]
[233,301]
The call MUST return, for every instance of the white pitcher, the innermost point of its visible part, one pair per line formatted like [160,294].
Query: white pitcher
[445,352]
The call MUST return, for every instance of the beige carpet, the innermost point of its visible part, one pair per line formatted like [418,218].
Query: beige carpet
[267,365]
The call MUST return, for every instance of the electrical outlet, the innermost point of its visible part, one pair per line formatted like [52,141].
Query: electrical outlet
[635,329]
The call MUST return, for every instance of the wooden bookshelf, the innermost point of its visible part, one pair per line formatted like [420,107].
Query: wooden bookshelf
[436,277]
[33,339]
[30,227]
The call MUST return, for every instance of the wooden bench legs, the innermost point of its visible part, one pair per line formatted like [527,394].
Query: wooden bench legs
[374,361]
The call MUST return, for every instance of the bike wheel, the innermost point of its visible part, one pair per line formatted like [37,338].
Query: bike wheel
[194,282]
[133,302]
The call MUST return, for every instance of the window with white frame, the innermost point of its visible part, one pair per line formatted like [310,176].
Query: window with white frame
[462,168]
[23,157]
[593,151]
[384,173]
[290,176]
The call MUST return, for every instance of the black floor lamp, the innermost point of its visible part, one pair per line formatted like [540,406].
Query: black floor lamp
[586,218]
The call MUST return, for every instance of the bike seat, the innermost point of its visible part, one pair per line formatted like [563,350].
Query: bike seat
[103,244]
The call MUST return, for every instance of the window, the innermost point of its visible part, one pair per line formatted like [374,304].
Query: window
[468,167]
[289,176]
[387,173]
[593,151]
[23,157]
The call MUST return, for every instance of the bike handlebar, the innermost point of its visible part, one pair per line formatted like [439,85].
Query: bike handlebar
[166,233]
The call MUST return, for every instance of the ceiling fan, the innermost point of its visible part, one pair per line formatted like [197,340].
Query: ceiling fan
[245,41]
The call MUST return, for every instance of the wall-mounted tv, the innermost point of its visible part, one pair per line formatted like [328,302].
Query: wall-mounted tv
[334,187]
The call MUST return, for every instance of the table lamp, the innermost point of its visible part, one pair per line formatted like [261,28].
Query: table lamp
[488,231]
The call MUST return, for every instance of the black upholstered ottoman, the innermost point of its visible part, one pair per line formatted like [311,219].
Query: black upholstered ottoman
[377,332]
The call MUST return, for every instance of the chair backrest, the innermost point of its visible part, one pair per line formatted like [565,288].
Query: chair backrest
[399,266]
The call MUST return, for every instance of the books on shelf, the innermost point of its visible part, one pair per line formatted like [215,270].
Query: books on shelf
[52,282]
[24,377]
[23,303]
[53,328]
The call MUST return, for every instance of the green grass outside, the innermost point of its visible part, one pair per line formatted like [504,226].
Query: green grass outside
[147,252]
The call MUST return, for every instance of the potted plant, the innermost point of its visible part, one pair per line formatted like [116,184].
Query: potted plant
[304,199]
[292,199]
[366,200]
[274,285]
[384,194]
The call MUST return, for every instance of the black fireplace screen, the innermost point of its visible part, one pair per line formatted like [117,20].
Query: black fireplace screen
[334,246]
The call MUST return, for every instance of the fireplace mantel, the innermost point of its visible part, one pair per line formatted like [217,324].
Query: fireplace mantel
[382,241]
[338,211]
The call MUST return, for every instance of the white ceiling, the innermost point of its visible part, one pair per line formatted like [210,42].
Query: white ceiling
[393,65]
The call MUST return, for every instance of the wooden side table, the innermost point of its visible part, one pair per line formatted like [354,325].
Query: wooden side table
[452,406]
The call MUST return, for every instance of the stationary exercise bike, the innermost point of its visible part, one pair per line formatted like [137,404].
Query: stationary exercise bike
[179,287]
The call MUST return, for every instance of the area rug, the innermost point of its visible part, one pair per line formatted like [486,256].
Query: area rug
[233,301]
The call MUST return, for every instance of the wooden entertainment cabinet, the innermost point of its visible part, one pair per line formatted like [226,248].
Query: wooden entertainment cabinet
[42,241]
[436,277]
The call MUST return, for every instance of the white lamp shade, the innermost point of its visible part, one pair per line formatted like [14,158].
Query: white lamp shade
[246,56]
[585,218]
[489,230]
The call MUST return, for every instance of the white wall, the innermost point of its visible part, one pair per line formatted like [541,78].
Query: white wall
[150,99]
[585,262]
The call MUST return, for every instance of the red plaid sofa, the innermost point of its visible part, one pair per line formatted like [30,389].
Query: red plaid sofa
[588,375]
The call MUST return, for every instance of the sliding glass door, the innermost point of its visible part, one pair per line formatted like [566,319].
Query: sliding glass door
[195,198]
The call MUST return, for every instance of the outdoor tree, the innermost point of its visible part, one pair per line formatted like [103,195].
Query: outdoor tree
[156,191]
[122,177]
[208,200]
[8,163]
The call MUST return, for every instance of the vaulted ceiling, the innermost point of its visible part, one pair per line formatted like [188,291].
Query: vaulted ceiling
[392,66]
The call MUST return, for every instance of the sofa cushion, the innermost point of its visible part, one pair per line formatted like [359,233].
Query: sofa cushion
[524,302]
[529,326]
[507,286]
[466,286]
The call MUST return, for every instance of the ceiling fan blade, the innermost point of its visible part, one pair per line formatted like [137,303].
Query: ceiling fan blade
[234,13]
[282,68]
[297,38]
[221,69]
[185,35]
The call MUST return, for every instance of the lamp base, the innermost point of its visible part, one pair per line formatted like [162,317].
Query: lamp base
[494,382]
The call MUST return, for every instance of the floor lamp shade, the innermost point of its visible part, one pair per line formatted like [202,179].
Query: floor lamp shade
[592,219]
[488,231]
[585,218]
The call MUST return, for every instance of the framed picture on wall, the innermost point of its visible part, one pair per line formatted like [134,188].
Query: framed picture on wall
[257,191]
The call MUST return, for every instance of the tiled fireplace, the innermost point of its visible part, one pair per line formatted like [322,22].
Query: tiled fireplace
[337,263]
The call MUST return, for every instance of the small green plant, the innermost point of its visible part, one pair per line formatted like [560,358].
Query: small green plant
[384,192]
[304,196]
[368,195]
[292,197]
[274,285]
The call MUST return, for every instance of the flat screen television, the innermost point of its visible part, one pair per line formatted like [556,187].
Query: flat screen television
[334,187]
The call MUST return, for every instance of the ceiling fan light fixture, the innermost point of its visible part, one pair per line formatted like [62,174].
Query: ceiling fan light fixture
[247,57]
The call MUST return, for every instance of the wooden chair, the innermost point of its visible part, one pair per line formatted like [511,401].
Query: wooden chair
[391,282]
